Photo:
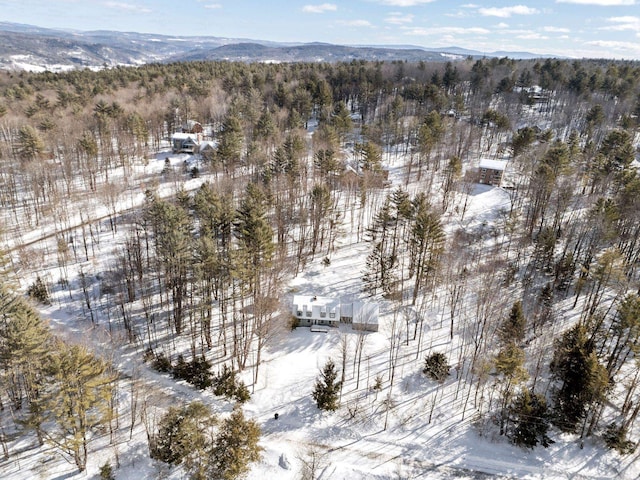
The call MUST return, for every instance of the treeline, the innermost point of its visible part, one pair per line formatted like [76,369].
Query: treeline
[63,134]
[59,391]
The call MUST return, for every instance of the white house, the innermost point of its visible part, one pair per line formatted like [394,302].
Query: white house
[184,142]
[313,310]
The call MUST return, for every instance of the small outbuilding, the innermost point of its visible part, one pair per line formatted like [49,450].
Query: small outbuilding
[491,172]
[192,126]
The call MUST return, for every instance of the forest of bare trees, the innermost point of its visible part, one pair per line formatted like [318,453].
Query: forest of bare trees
[544,304]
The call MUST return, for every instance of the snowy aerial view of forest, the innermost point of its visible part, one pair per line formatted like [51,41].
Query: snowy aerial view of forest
[362,269]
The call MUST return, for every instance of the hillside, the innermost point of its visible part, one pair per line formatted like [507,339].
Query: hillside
[26,47]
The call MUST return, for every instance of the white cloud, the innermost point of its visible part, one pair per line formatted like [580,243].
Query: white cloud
[506,12]
[611,44]
[446,31]
[556,30]
[355,23]
[627,48]
[213,5]
[532,36]
[396,18]
[325,7]
[128,7]
[625,19]
[502,25]
[519,31]
[462,13]
[623,23]
[602,3]
[404,3]
[458,14]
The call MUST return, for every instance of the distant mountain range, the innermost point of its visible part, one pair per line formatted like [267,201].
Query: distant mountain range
[27,47]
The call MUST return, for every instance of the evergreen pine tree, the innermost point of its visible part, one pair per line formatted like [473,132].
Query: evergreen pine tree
[436,367]
[30,145]
[106,472]
[616,437]
[227,384]
[24,344]
[255,236]
[624,333]
[430,133]
[426,244]
[79,400]
[509,364]
[529,417]
[183,432]
[38,291]
[583,381]
[327,389]
[341,119]
[235,447]
[513,327]
[370,157]
[522,139]
[230,142]
[197,372]
[265,127]
[173,240]
[327,162]
[381,263]
[320,212]
[543,308]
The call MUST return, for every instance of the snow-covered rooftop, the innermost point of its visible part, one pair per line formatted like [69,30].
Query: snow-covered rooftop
[313,300]
[184,136]
[493,164]
[208,143]
[365,313]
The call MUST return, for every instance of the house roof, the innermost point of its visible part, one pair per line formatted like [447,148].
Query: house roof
[313,300]
[349,169]
[493,164]
[208,144]
[190,124]
[184,136]
[365,313]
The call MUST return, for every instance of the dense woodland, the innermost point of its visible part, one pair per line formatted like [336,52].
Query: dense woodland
[542,307]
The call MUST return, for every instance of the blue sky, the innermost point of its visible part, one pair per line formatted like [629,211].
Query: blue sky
[575,28]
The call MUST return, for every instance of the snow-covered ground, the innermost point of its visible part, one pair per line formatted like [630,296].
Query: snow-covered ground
[30,64]
[413,428]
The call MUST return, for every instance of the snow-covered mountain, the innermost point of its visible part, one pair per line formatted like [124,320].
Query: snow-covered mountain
[27,47]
